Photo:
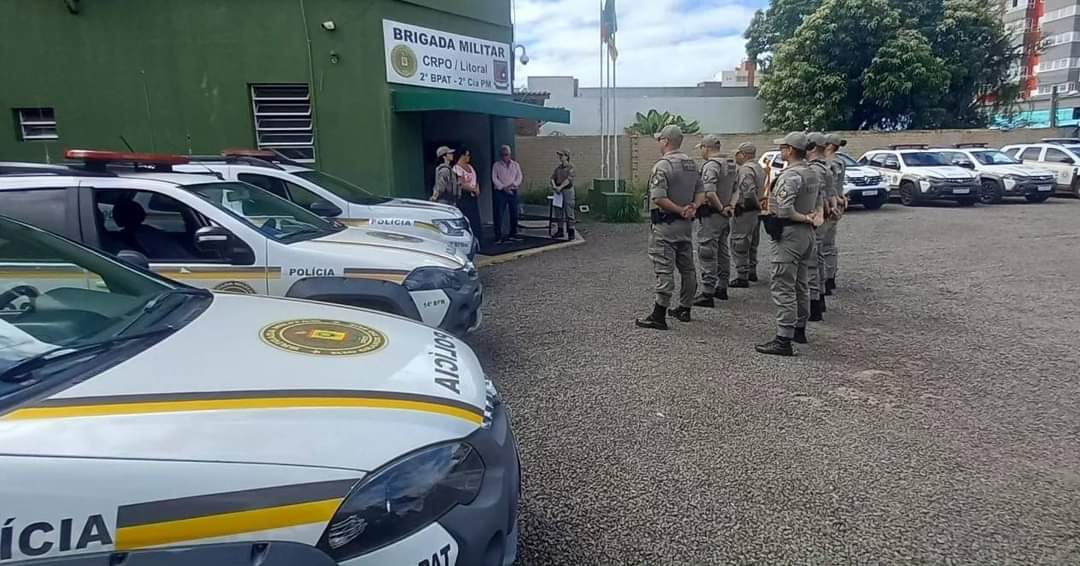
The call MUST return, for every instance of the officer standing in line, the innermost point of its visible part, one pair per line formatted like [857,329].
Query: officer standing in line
[749,183]
[830,253]
[675,193]
[816,279]
[446,190]
[790,225]
[714,228]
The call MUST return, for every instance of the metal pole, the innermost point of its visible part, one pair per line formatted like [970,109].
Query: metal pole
[1053,106]
[615,118]
[603,118]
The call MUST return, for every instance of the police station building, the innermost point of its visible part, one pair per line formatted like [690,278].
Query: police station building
[364,89]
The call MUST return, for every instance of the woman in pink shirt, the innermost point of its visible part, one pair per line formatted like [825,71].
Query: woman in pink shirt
[470,191]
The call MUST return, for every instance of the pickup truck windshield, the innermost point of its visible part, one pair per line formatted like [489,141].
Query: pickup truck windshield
[268,213]
[341,188]
[994,158]
[922,159]
[56,296]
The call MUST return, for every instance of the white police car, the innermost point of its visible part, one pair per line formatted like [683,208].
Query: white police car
[232,236]
[917,175]
[1001,175]
[146,422]
[332,197]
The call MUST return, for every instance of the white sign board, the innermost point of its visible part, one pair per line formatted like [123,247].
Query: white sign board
[437,59]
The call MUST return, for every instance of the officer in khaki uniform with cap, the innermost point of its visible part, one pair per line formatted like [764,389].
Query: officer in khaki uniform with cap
[749,184]
[790,225]
[816,280]
[675,193]
[829,253]
[714,226]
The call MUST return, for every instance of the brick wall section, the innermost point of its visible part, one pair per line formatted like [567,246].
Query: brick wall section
[538,159]
[637,154]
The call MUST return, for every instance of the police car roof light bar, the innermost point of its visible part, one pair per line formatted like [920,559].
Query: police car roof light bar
[98,160]
[971,145]
[908,146]
[1061,140]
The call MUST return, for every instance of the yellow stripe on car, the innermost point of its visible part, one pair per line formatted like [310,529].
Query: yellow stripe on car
[225,524]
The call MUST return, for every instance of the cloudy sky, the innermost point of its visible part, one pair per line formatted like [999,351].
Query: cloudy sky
[661,42]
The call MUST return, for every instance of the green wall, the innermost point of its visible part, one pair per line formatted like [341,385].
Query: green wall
[173,76]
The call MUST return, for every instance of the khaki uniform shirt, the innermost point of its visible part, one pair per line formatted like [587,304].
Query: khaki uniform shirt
[676,178]
[797,190]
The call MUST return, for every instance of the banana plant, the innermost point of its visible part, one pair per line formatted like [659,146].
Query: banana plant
[653,121]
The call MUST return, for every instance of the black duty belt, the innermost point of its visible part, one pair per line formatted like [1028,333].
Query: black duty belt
[661,217]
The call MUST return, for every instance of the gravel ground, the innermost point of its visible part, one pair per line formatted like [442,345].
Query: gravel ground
[935,416]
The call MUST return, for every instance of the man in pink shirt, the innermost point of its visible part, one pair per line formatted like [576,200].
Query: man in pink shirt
[506,177]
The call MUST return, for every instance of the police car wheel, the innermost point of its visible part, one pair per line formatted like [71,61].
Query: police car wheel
[907,194]
[990,192]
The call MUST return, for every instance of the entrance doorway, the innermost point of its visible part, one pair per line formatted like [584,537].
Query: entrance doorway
[461,131]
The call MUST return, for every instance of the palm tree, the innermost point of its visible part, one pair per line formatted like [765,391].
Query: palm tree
[652,122]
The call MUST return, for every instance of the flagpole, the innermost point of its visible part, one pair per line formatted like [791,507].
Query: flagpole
[603,116]
[615,118]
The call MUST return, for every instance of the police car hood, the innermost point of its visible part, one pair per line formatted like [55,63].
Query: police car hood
[1016,169]
[860,172]
[943,172]
[372,242]
[271,381]
[427,205]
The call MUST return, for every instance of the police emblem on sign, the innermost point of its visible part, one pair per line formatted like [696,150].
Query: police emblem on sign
[324,337]
[502,73]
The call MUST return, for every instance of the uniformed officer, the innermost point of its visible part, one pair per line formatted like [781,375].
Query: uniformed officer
[829,251]
[675,193]
[816,278]
[446,190]
[749,183]
[714,226]
[790,225]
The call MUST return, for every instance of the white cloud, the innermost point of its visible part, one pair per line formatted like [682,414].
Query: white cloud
[661,42]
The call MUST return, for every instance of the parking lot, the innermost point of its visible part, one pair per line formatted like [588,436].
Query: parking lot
[935,416]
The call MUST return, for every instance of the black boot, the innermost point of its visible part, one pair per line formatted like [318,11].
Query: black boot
[824,305]
[657,320]
[722,294]
[682,314]
[704,301]
[778,346]
[815,311]
[571,234]
[830,285]
[739,283]
[800,336]
[753,277]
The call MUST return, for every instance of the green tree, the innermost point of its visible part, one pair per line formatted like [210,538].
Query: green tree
[972,43]
[881,63]
[652,122]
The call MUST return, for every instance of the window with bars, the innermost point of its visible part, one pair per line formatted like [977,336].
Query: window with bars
[36,124]
[283,120]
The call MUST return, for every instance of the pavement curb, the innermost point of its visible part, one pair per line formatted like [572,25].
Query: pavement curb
[485,261]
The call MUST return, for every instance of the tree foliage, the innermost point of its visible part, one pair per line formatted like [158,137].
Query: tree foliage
[652,122]
[889,64]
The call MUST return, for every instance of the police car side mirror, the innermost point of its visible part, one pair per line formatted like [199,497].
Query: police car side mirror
[325,209]
[132,257]
[212,239]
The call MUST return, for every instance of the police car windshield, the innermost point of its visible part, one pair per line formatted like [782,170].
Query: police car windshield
[923,159]
[993,157]
[847,160]
[268,213]
[341,188]
[56,295]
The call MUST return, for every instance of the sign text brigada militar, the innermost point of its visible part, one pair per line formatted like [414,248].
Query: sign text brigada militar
[437,59]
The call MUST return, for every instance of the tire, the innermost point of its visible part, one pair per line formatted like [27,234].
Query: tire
[967,201]
[1076,188]
[990,192]
[1037,198]
[875,203]
[907,194]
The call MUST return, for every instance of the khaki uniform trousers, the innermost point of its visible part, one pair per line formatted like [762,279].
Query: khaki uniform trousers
[671,248]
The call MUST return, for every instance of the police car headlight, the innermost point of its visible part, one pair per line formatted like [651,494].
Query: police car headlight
[432,278]
[402,498]
[452,226]
[924,185]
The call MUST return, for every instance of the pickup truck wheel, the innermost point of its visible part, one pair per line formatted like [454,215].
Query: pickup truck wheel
[1076,188]
[875,203]
[990,192]
[907,193]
